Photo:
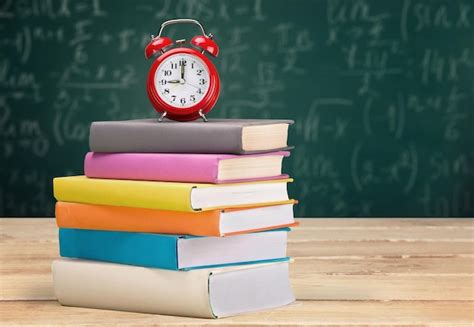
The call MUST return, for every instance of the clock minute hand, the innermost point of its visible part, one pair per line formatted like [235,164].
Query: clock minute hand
[182,70]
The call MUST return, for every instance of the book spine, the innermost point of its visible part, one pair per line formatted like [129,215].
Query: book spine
[127,288]
[138,249]
[126,193]
[152,167]
[114,218]
[165,139]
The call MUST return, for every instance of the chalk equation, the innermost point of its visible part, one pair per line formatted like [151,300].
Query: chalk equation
[381,93]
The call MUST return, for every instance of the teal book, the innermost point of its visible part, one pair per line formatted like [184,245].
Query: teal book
[173,252]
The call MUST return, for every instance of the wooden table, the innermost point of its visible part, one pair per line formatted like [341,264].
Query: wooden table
[345,272]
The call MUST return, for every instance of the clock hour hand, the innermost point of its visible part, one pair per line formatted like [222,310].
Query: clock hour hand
[174,81]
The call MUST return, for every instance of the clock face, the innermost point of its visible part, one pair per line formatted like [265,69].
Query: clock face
[182,80]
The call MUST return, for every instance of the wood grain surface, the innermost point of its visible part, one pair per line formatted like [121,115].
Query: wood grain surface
[391,272]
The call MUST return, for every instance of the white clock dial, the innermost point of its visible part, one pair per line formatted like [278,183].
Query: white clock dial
[182,80]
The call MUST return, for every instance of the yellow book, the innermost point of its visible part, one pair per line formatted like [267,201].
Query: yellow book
[169,195]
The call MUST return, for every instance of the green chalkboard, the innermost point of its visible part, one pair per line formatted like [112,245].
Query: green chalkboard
[381,92]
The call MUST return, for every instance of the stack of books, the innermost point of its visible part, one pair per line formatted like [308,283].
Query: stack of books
[177,218]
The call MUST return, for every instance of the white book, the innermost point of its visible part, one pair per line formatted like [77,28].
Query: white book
[205,293]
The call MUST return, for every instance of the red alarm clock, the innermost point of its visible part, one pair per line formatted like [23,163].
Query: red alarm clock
[183,84]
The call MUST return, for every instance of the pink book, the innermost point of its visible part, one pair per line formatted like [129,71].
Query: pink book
[180,167]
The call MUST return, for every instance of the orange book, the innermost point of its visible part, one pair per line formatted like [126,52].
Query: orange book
[203,223]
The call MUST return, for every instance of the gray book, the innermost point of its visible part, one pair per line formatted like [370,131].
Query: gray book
[237,136]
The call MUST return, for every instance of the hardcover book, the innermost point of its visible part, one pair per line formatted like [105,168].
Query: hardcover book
[203,223]
[169,195]
[204,293]
[237,136]
[173,252]
[180,167]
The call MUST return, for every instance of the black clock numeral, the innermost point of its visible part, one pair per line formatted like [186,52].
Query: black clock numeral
[182,62]
[167,72]
[193,98]
[199,91]
[166,91]
[200,71]
[174,65]
[183,101]
[192,65]
[163,82]
[202,81]
[173,98]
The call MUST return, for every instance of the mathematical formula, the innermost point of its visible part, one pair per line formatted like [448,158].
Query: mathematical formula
[381,93]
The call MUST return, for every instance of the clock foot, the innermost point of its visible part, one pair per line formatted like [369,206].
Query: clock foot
[163,115]
[203,116]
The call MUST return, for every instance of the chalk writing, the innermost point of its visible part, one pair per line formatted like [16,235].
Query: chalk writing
[381,93]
